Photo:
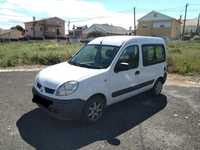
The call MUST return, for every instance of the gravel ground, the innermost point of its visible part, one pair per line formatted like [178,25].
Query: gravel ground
[170,121]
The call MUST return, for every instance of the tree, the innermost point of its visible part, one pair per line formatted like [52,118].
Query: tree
[19,28]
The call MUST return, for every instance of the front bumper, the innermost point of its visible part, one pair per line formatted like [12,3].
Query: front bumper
[62,109]
[164,77]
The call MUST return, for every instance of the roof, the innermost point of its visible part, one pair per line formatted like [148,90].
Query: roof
[154,15]
[2,32]
[45,19]
[119,40]
[106,28]
[190,22]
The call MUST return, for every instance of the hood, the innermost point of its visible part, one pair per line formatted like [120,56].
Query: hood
[58,74]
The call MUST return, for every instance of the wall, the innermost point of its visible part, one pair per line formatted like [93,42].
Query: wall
[176,30]
[46,28]
[12,34]
[172,30]
[52,25]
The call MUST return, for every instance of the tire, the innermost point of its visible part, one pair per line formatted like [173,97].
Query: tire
[93,110]
[157,88]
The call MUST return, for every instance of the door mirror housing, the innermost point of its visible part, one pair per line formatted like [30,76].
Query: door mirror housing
[121,66]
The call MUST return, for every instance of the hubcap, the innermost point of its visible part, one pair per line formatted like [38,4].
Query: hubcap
[95,111]
[158,88]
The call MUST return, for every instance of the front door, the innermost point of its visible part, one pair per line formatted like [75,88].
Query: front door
[123,78]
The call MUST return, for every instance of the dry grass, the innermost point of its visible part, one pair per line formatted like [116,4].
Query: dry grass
[183,57]
[35,52]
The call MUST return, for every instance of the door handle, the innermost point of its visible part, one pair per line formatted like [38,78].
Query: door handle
[137,72]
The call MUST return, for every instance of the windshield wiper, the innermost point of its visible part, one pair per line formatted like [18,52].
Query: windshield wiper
[85,65]
[89,66]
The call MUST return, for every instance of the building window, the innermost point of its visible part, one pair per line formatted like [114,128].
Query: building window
[162,25]
[155,15]
[144,26]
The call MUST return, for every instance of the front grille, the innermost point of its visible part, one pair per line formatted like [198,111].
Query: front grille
[49,91]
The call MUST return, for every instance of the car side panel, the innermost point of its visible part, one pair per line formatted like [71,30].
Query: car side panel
[94,85]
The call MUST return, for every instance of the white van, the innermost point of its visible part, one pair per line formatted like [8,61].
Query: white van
[105,71]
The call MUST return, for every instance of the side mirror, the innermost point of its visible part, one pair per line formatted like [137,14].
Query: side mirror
[121,66]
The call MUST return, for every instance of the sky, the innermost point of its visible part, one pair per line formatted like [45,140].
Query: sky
[82,12]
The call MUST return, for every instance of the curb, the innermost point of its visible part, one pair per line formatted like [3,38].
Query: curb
[21,70]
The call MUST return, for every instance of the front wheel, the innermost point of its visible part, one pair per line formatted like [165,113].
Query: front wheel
[93,110]
[157,88]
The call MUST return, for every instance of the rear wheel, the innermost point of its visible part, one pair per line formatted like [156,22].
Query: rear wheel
[94,109]
[157,88]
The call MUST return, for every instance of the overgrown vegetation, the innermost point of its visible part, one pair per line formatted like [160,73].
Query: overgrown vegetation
[183,57]
[35,52]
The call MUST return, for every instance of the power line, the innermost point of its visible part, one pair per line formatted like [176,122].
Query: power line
[163,9]
[100,17]
[115,13]
[193,4]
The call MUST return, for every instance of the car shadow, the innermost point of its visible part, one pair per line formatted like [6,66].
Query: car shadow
[46,133]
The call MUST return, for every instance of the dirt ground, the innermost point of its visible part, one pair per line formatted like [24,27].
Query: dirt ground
[169,122]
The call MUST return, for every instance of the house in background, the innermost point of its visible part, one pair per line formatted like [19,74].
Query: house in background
[157,24]
[76,34]
[190,26]
[45,28]
[10,34]
[103,30]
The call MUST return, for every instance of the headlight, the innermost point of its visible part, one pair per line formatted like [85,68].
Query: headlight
[67,88]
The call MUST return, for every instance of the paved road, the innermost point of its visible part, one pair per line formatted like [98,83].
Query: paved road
[171,121]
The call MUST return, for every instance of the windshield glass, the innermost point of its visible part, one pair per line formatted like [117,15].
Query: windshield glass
[95,56]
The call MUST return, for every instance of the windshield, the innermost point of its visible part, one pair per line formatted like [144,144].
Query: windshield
[95,56]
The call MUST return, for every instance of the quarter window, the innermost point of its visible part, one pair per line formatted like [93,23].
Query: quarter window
[153,54]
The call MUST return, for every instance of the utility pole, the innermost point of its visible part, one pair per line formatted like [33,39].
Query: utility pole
[134,21]
[180,19]
[198,21]
[186,6]
[33,26]
[68,26]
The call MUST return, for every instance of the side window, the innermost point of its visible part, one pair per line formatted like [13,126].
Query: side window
[153,54]
[130,56]
[160,53]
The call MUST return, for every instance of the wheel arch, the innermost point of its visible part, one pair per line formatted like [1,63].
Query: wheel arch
[99,95]
[163,79]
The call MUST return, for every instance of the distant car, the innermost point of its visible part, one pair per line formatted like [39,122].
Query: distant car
[105,71]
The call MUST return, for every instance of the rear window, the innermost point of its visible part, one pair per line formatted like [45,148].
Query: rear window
[153,54]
